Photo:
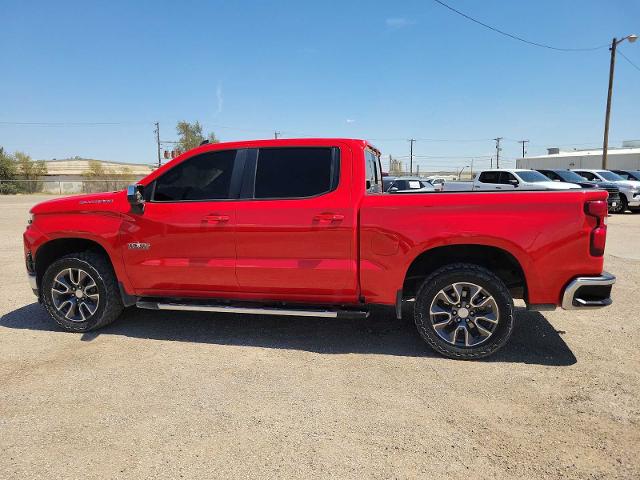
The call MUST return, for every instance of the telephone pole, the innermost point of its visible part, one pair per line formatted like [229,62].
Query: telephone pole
[523,142]
[411,140]
[612,65]
[275,134]
[157,124]
[498,151]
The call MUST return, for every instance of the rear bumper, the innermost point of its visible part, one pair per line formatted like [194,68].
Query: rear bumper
[588,292]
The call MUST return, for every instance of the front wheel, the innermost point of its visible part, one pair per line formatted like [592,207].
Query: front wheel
[80,292]
[464,311]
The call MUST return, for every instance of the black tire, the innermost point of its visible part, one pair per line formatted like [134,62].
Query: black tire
[109,304]
[624,204]
[481,277]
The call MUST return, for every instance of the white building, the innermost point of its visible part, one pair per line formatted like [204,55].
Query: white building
[626,157]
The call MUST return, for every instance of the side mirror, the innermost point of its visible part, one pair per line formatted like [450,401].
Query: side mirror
[135,197]
[514,182]
[393,189]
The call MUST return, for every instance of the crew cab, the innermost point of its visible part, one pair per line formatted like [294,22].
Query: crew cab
[302,228]
[508,179]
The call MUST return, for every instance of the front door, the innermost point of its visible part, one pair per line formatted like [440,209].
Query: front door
[184,241]
[296,228]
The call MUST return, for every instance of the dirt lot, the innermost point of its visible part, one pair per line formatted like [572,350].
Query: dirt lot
[171,395]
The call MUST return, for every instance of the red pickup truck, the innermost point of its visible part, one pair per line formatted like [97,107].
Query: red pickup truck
[302,228]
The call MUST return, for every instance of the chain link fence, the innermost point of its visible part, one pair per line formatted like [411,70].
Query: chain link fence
[62,187]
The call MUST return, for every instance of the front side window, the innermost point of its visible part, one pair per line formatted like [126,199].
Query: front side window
[296,172]
[203,177]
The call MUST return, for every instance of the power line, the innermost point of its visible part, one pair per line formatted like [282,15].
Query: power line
[627,59]
[73,124]
[515,37]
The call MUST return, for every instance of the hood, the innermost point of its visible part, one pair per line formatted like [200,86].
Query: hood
[107,201]
[551,185]
[630,184]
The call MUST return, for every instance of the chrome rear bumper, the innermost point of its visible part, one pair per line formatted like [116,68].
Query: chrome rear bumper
[588,292]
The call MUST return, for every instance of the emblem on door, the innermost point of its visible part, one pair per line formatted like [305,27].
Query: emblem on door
[138,246]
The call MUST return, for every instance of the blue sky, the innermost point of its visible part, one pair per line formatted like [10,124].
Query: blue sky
[385,71]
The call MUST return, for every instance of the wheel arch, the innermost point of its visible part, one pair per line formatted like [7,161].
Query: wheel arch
[498,260]
[56,248]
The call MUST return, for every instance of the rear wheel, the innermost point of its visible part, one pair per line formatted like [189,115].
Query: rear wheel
[464,311]
[80,292]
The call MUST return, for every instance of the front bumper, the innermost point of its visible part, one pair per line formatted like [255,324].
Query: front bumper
[588,292]
[33,283]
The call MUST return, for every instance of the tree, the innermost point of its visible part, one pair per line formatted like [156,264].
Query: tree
[28,169]
[190,135]
[7,166]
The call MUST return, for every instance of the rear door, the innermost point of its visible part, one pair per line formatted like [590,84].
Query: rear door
[184,241]
[488,181]
[296,225]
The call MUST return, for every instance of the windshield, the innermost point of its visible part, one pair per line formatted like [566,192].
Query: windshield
[607,175]
[569,176]
[532,177]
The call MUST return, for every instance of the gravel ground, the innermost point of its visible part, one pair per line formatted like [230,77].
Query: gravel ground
[171,395]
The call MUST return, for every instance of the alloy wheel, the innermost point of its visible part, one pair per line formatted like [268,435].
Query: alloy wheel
[75,294]
[464,314]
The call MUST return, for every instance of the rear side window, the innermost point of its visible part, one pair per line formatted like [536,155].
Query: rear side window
[489,177]
[296,172]
[203,177]
[373,180]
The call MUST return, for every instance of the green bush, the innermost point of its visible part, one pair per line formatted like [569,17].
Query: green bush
[8,189]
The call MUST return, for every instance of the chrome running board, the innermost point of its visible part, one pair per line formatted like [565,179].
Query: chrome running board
[199,307]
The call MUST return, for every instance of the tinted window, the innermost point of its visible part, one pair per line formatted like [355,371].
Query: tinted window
[295,172]
[489,177]
[569,176]
[550,175]
[612,177]
[204,177]
[588,175]
[624,175]
[506,178]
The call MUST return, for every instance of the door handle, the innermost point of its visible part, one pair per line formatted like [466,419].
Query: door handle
[215,218]
[328,217]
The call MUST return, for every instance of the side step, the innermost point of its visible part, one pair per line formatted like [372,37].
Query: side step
[200,307]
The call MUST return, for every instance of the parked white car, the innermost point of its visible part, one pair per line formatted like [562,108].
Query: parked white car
[629,189]
[510,179]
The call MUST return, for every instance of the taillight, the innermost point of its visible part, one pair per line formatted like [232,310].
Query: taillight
[599,210]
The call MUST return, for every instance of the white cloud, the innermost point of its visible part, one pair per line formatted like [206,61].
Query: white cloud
[350,120]
[398,22]
[220,98]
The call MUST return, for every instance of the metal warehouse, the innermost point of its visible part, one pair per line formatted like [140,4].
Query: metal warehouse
[625,158]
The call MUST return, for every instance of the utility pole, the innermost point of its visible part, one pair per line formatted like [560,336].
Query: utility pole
[523,142]
[411,140]
[275,134]
[472,169]
[612,64]
[498,151]
[157,124]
